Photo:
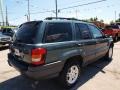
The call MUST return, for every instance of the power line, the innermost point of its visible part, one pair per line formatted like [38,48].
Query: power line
[14,19]
[47,11]
[43,11]
[83,4]
[72,6]
[71,2]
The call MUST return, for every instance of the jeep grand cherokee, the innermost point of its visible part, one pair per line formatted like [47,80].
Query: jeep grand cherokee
[58,48]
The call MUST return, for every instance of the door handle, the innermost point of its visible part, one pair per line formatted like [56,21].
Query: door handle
[80,44]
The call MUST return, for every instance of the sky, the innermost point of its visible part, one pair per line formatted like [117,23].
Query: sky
[17,9]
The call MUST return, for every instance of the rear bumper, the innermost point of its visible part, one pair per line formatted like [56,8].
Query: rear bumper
[40,72]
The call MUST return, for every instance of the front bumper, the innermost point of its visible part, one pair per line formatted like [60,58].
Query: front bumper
[3,43]
[39,72]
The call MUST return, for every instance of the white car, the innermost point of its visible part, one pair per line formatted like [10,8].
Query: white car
[4,39]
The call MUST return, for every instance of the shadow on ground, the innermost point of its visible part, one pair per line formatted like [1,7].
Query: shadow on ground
[20,83]
[4,48]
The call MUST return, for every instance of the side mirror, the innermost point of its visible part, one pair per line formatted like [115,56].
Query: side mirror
[111,36]
[106,35]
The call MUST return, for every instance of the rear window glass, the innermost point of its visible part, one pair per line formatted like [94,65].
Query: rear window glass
[27,32]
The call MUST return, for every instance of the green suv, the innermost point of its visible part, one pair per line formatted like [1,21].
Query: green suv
[57,48]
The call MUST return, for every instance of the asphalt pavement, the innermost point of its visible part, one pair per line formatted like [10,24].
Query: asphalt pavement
[101,75]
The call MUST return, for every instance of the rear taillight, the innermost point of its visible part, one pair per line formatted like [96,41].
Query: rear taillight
[38,56]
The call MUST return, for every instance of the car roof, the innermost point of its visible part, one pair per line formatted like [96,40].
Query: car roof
[65,21]
[61,21]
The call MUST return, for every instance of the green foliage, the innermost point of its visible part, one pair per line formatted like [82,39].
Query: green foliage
[118,20]
[112,22]
[94,20]
[7,27]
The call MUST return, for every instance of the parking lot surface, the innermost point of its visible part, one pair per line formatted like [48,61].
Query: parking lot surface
[101,75]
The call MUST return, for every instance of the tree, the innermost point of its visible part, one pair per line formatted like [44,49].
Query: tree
[118,20]
[91,19]
[112,22]
[95,19]
[102,21]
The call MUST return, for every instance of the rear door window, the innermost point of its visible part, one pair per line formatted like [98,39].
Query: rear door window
[27,32]
[58,32]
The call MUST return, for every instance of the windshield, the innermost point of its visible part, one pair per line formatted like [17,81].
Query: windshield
[27,32]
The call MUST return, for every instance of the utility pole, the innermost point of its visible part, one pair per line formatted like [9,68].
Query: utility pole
[119,15]
[7,23]
[56,4]
[1,9]
[115,16]
[76,11]
[28,10]
[26,16]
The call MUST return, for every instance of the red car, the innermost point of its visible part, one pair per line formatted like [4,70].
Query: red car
[112,30]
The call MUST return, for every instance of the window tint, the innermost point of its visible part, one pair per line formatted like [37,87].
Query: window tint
[8,31]
[58,32]
[84,31]
[95,31]
[27,32]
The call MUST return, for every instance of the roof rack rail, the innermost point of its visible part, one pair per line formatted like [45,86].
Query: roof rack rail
[61,18]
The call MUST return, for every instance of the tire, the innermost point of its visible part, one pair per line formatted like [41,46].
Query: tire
[70,74]
[109,54]
[116,38]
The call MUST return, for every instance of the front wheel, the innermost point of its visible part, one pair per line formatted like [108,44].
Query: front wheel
[70,74]
[116,38]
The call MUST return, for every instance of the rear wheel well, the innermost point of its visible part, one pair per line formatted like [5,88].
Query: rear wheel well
[77,58]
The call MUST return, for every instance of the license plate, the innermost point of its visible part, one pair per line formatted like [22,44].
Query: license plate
[17,52]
